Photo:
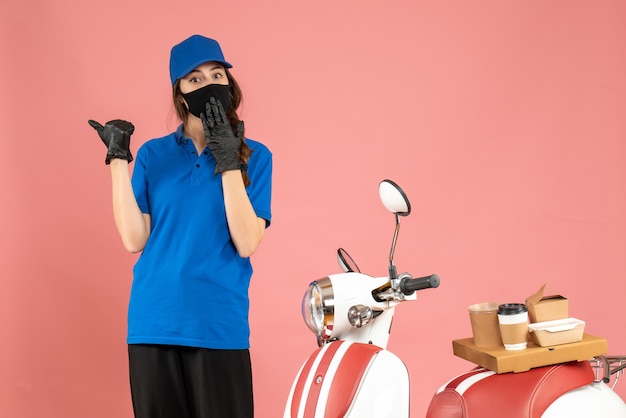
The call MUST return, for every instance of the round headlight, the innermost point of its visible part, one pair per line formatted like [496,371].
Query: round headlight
[313,309]
[318,308]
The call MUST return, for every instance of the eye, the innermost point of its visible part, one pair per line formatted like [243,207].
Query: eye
[218,73]
[194,80]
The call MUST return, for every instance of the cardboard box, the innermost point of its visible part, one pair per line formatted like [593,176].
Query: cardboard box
[500,360]
[560,331]
[542,308]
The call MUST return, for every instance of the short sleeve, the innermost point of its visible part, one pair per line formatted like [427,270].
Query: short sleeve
[139,181]
[260,173]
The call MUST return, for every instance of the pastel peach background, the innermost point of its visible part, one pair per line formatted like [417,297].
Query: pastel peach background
[504,121]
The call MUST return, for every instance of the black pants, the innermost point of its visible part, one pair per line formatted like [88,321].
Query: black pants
[185,382]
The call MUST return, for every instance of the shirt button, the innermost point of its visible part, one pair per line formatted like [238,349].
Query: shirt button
[198,165]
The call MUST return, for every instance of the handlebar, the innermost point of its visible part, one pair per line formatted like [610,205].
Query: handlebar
[408,285]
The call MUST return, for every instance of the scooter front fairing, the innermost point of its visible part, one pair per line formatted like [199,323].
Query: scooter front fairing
[350,379]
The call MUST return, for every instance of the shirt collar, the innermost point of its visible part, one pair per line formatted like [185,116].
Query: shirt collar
[180,136]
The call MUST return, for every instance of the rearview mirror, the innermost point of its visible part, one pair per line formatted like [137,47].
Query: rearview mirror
[393,198]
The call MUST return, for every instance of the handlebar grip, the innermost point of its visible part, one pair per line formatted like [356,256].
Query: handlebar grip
[409,286]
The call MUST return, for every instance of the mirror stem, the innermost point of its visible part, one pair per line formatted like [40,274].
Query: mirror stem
[393,275]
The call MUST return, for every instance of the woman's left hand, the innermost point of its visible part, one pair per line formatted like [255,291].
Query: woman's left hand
[221,140]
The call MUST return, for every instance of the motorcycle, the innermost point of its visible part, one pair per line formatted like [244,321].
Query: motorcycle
[352,374]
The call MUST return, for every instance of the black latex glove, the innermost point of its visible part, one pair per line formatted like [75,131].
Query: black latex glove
[116,136]
[223,143]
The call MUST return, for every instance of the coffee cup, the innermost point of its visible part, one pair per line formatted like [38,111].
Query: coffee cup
[513,321]
[485,326]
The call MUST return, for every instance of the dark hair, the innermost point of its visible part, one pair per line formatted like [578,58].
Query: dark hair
[235,99]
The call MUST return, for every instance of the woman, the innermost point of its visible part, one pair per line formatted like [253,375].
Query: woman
[197,205]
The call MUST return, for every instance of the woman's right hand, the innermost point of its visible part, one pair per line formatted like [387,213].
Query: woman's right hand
[132,225]
[116,136]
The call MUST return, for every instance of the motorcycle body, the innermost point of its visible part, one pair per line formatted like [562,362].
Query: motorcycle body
[344,375]
[352,374]
[561,390]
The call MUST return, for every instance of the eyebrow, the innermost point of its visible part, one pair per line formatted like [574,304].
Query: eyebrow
[217,67]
